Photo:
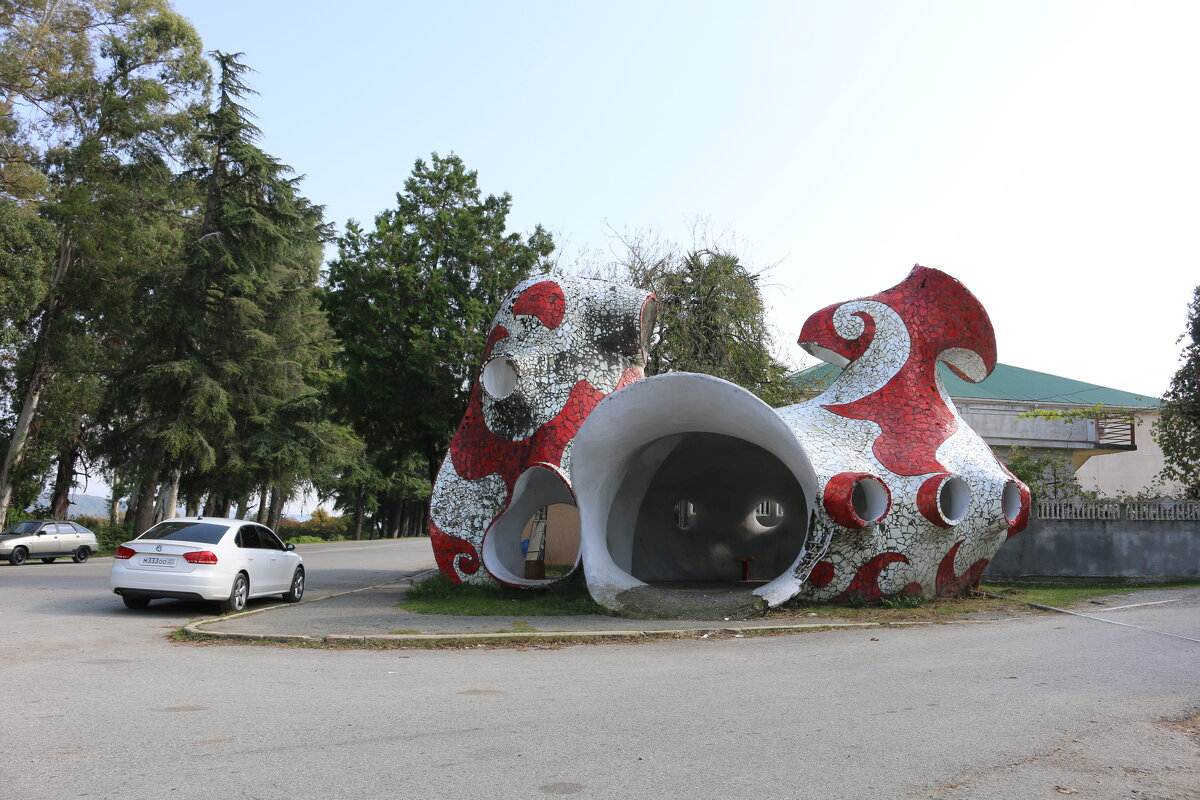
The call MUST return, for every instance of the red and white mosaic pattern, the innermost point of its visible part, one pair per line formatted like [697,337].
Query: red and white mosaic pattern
[887,416]
[557,347]
[907,498]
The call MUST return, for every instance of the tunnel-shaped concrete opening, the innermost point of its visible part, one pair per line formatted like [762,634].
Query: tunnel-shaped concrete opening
[713,509]
[536,540]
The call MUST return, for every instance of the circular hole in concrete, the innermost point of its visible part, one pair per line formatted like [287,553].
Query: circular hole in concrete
[870,499]
[1010,501]
[954,497]
[499,377]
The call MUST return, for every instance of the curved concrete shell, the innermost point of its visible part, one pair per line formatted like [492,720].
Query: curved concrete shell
[557,346]
[697,499]
[877,487]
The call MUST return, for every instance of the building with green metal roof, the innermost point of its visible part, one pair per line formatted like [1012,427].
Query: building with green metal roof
[1006,383]
[1111,454]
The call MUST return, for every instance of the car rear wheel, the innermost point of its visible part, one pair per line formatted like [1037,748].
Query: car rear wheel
[135,602]
[81,555]
[294,594]
[237,595]
[47,560]
[18,556]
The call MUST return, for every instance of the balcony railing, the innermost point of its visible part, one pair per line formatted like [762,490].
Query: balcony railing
[1115,432]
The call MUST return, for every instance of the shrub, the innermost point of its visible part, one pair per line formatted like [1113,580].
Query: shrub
[321,526]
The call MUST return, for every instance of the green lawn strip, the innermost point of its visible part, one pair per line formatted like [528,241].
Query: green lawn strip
[435,595]
[1064,595]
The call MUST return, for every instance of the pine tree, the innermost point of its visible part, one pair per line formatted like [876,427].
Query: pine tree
[227,370]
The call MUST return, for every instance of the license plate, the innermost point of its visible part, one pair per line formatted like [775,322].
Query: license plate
[159,561]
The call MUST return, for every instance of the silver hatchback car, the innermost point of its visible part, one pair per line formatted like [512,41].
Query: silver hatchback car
[47,539]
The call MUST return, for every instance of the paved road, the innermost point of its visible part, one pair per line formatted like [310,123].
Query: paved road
[101,705]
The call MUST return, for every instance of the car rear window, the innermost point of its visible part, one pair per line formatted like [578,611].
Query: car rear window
[203,532]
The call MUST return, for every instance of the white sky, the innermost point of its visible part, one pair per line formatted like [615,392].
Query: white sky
[1044,153]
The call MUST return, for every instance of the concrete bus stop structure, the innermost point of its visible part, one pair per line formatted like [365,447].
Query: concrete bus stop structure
[686,483]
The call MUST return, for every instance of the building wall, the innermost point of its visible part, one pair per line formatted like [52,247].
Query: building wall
[1120,474]
[1100,549]
[1001,425]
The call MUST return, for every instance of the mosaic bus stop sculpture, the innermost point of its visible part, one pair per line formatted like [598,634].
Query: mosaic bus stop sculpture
[686,484]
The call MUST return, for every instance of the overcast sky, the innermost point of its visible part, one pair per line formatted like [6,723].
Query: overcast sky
[1044,153]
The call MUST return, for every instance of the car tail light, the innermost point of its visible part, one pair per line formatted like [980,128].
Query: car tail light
[201,557]
[124,552]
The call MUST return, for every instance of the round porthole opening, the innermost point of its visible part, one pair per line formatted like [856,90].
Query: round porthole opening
[499,377]
[954,497]
[1010,502]
[684,514]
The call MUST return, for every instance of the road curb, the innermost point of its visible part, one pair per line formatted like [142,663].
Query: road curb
[194,627]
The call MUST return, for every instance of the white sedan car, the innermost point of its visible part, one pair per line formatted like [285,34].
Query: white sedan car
[204,558]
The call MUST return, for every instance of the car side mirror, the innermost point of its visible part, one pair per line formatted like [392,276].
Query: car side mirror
[289,546]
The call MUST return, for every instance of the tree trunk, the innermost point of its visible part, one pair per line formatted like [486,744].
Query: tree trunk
[38,379]
[358,517]
[395,509]
[243,506]
[172,504]
[278,499]
[164,508]
[401,518]
[145,505]
[64,479]
[261,516]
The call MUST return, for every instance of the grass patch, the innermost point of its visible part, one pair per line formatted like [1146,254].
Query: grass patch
[1063,595]
[435,595]
[898,609]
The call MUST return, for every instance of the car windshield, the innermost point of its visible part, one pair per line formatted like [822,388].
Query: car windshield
[22,528]
[204,532]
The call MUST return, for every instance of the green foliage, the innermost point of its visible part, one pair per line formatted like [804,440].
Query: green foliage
[225,381]
[108,536]
[1049,475]
[902,601]
[411,302]
[435,595]
[97,107]
[1063,595]
[26,245]
[1177,431]
[320,527]
[304,539]
[1094,413]
[711,316]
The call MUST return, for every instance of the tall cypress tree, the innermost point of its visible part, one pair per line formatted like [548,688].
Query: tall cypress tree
[236,334]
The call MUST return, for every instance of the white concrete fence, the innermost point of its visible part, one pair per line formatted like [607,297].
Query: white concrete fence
[1166,508]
